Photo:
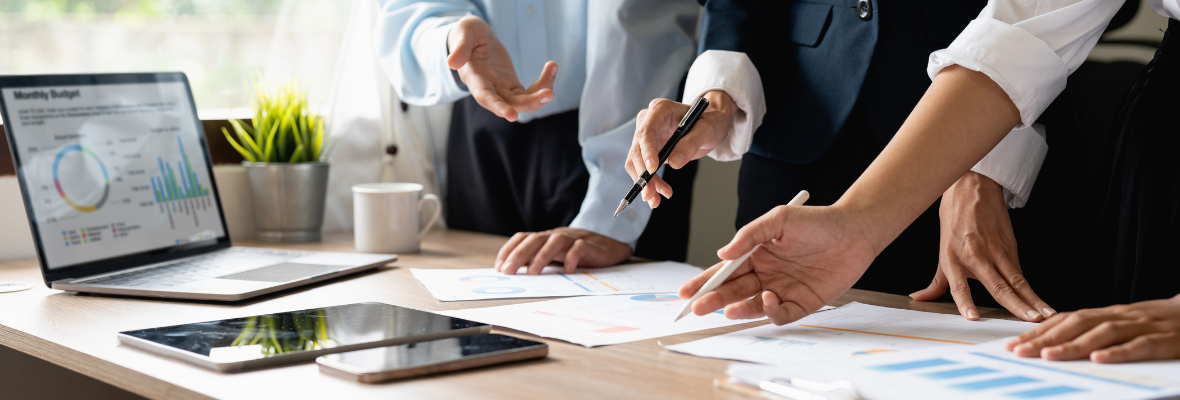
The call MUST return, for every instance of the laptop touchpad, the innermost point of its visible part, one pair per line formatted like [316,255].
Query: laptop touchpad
[283,272]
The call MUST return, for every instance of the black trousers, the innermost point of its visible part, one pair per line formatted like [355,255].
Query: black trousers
[505,177]
[906,266]
[1139,218]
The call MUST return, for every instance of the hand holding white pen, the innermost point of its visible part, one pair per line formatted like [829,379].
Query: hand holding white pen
[724,273]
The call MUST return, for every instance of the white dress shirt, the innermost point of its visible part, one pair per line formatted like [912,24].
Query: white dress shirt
[613,59]
[1014,163]
[1029,48]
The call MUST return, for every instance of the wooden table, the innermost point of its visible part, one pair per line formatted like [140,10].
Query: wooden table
[78,332]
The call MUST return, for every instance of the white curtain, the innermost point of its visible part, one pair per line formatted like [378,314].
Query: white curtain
[366,118]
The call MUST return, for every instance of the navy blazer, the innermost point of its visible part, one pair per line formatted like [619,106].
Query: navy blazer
[819,58]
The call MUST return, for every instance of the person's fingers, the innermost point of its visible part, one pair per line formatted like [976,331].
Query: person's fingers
[1036,332]
[781,312]
[660,186]
[690,288]
[523,253]
[632,163]
[545,81]
[761,230]
[650,134]
[461,47]
[527,102]
[732,291]
[1011,272]
[937,288]
[1156,346]
[1104,335]
[556,244]
[1071,327]
[1003,292]
[507,248]
[746,309]
[574,255]
[960,290]
[485,94]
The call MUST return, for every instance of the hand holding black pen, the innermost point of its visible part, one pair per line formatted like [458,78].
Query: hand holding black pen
[690,119]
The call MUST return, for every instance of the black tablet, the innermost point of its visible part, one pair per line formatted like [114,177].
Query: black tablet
[264,340]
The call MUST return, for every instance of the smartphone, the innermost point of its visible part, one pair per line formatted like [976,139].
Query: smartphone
[431,357]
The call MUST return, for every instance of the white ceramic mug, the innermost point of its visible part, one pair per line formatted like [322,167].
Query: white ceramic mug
[386,217]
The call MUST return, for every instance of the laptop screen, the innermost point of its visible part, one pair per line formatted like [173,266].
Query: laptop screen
[111,168]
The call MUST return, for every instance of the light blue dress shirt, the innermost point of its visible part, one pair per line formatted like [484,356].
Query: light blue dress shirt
[613,57]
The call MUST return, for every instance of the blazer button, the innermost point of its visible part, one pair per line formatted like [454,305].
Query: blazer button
[865,9]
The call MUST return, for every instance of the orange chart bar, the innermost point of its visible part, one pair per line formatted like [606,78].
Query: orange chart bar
[889,334]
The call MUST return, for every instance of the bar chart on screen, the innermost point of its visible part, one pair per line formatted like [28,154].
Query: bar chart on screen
[179,192]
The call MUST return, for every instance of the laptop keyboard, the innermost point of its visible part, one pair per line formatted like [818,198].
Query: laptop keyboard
[234,260]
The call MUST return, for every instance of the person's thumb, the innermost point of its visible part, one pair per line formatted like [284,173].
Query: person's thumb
[937,288]
[688,147]
[461,42]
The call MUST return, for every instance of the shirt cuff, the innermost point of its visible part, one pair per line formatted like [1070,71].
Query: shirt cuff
[734,73]
[1015,163]
[1026,68]
[430,47]
[605,156]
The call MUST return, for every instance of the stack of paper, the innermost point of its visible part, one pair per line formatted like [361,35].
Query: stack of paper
[849,331]
[985,371]
[480,284]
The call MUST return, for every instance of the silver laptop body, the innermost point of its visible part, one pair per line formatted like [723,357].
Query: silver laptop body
[119,189]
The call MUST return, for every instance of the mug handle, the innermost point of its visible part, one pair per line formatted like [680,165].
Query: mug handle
[433,219]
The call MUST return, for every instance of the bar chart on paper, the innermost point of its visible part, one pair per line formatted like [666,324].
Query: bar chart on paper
[991,373]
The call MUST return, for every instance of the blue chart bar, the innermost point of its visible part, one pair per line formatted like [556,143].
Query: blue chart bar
[993,383]
[1044,392]
[912,365]
[958,373]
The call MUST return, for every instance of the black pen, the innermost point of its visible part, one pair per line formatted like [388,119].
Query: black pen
[685,126]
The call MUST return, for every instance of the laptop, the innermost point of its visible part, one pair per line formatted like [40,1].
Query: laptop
[119,189]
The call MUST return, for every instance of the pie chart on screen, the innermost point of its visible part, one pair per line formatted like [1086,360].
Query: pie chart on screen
[655,297]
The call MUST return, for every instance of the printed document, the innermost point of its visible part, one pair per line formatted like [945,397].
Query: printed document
[486,283]
[850,331]
[599,320]
[985,371]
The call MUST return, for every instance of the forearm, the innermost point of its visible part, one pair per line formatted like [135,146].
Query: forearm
[961,117]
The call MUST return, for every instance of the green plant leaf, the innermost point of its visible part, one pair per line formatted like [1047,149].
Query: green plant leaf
[245,137]
[245,154]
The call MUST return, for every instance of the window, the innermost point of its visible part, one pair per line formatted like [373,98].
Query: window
[217,43]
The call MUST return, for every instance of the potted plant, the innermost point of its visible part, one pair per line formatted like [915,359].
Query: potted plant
[285,153]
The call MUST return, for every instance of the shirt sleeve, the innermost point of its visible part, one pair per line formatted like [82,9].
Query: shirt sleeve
[1028,48]
[605,156]
[411,46]
[733,73]
[1015,163]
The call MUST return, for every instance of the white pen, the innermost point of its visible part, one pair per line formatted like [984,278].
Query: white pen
[731,265]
